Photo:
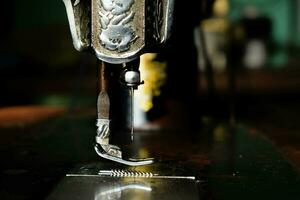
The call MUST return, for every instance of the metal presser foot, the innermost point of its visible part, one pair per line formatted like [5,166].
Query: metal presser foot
[115,154]
[112,152]
[103,148]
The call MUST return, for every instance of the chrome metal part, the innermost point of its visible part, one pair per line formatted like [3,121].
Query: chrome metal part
[95,188]
[106,180]
[113,157]
[126,173]
[78,12]
[131,113]
[116,192]
[119,31]
[138,174]
[132,78]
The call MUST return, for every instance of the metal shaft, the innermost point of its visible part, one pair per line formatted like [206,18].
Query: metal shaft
[132,112]
[103,102]
[103,79]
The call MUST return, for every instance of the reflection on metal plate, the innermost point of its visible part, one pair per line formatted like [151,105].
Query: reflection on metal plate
[101,182]
[96,188]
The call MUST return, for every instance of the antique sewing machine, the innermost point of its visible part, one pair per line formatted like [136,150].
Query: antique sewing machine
[118,32]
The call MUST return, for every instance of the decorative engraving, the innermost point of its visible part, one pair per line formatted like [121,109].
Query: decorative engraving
[117,33]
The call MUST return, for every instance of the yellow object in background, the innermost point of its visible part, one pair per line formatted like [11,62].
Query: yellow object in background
[154,74]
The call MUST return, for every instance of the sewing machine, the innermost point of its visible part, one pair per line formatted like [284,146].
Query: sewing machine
[118,32]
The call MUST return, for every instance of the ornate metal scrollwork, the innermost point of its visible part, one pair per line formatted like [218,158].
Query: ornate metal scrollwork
[117,32]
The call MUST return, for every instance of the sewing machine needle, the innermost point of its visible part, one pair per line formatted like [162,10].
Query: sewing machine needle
[131,112]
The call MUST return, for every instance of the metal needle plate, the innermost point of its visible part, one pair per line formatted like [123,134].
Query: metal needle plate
[91,183]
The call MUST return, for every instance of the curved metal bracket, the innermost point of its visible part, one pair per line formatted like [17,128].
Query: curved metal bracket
[78,12]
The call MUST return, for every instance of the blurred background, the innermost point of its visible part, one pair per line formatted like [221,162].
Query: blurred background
[38,61]
[237,61]
[252,50]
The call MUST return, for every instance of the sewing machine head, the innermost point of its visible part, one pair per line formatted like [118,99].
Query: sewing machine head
[118,32]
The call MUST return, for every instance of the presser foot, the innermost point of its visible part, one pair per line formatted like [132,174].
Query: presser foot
[131,162]
[112,152]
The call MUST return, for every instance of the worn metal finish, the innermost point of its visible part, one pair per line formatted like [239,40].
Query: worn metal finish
[115,27]
[78,12]
[119,31]
[117,34]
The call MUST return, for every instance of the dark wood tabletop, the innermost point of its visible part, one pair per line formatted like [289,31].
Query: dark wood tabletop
[231,163]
